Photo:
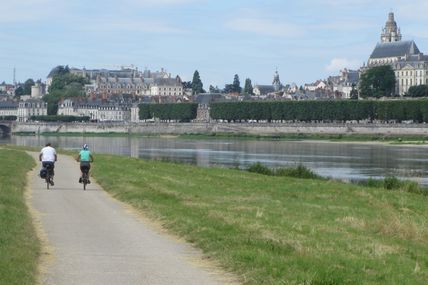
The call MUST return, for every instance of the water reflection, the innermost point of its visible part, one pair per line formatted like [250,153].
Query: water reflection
[346,161]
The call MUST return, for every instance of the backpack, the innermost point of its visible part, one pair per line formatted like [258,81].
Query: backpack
[43,173]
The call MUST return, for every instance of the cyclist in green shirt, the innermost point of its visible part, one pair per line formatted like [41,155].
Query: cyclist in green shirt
[85,157]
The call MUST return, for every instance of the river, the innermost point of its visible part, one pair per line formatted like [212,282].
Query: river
[344,161]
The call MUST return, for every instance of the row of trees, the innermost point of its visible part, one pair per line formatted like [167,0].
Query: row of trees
[183,112]
[8,118]
[58,118]
[197,86]
[308,111]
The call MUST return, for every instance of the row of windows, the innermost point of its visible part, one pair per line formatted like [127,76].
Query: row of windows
[410,81]
[410,73]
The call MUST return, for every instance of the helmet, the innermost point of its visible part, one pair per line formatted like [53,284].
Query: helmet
[85,147]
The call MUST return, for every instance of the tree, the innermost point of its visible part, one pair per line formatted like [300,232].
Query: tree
[64,85]
[213,89]
[27,86]
[354,93]
[187,84]
[236,86]
[228,88]
[197,86]
[418,91]
[378,81]
[19,91]
[248,88]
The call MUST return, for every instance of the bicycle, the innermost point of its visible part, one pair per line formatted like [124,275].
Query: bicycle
[49,175]
[85,177]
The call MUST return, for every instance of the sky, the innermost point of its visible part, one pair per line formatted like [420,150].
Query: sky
[304,40]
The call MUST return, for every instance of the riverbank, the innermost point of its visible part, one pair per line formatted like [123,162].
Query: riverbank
[384,139]
[279,230]
[214,128]
[19,246]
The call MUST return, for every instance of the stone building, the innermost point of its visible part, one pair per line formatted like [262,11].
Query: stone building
[8,108]
[31,107]
[276,86]
[127,80]
[100,111]
[345,82]
[409,64]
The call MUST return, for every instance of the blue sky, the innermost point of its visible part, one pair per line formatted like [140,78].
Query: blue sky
[305,40]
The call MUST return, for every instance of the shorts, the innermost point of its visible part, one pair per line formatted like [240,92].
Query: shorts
[85,166]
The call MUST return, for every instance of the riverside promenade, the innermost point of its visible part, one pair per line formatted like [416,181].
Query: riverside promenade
[208,128]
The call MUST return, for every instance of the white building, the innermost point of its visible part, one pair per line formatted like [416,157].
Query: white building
[31,107]
[97,111]
[8,108]
[167,87]
[345,82]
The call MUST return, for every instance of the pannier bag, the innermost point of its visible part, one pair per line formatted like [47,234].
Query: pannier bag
[43,172]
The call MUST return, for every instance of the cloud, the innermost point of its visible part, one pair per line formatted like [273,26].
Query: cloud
[265,27]
[336,64]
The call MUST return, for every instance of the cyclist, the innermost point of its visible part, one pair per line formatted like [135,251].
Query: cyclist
[48,157]
[85,157]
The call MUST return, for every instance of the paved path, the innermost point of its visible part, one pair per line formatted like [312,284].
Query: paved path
[96,240]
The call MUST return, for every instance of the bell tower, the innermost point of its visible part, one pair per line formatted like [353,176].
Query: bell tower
[390,33]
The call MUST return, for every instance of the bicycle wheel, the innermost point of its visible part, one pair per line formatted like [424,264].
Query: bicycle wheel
[48,179]
[85,180]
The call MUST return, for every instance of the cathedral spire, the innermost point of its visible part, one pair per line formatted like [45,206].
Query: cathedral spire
[391,33]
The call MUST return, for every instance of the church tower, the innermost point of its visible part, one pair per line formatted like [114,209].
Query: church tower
[391,33]
[276,82]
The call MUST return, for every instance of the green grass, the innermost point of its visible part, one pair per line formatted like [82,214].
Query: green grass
[280,230]
[19,247]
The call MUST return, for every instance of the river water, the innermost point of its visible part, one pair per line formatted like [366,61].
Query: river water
[345,161]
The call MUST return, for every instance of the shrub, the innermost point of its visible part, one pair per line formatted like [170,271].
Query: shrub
[260,168]
[391,183]
[300,171]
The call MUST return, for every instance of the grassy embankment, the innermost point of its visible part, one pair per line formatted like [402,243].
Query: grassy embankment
[280,230]
[19,247]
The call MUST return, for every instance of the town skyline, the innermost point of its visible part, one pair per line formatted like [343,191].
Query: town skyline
[304,41]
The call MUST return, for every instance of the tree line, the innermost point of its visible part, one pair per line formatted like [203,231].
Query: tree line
[182,112]
[60,118]
[322,111]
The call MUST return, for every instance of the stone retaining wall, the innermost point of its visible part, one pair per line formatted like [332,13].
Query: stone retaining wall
[228,128]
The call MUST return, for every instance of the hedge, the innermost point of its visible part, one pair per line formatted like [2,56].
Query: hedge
[8,118]
[182,112]
[60,118]
[309,111]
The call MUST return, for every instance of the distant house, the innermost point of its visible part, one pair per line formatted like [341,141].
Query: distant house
[260,90]
[319,84]
[345,82]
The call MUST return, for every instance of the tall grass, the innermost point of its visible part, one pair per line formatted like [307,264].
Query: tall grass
[299,171]
[19,247]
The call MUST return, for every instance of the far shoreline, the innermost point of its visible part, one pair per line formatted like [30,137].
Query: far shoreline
[407,140]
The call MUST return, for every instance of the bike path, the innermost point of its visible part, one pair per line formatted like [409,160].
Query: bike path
[96,240]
